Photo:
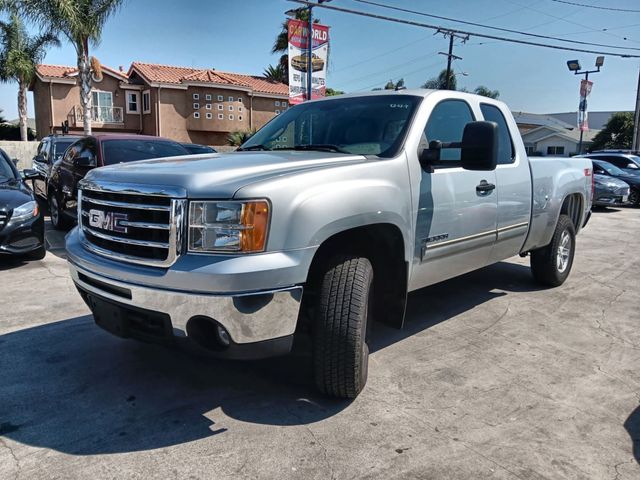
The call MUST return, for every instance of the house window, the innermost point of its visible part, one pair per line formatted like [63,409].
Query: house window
[221,116]
[196,96]
[277,112]
[209,116]
[239,109]
[285,104]
[230,116]
[231,108]
[220,107]
[133,102]
[530,150]
[231,99]
[208,106]
[277,103]
[220,98]
[240,99]
[555,150]
[196,106]
[207,97]
[102,108]
[146,101]
[239,118]
[196,114]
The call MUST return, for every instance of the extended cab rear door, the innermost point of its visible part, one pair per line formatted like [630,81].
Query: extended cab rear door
[513,190]
[456,212]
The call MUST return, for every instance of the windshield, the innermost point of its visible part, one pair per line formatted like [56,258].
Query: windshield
[611,169]
[60,146]
[119,151]
[373,125]
[6,172]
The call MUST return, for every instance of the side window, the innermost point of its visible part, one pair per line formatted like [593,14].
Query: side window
[446,124]
[506,153]
[72,152]
[89,148]
[619,162]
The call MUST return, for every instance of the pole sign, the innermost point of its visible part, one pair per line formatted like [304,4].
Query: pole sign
[298,60]
[583,116]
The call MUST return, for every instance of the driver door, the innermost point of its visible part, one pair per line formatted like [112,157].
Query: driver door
[456,215]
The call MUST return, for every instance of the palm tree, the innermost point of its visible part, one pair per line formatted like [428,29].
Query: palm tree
[238,137]
[81,21]
[275,74]
[19,56]
[440,82]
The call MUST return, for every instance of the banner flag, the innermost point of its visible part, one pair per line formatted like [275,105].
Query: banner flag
[583,116]
[298,60]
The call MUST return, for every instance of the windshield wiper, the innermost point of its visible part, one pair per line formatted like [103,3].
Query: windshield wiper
[253,147]
[320,147]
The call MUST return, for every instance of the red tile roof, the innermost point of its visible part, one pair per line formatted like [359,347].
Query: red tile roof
[62,71]
[155,73]
[177,75]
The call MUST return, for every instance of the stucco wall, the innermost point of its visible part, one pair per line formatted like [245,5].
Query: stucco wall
[23,151]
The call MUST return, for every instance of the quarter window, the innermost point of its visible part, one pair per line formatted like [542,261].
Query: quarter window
[446,124]
[506,152]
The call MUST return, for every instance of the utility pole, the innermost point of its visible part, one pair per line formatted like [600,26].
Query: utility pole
[636,120]
[452,36]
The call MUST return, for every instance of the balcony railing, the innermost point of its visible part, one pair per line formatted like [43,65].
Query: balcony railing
[99,115]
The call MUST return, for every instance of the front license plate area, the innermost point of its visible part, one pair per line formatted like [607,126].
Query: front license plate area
[109,316]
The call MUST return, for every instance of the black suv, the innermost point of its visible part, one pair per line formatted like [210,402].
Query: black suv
[50,150]
[627,161]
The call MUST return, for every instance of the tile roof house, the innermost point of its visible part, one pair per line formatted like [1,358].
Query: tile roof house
[182,103]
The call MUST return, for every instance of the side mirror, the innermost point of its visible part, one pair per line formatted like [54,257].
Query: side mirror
[85,161]
[30,174]
[479,146]
[39,159]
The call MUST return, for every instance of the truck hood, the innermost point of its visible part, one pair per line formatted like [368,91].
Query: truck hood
[218,175]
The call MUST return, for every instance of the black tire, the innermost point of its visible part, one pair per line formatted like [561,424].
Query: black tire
[342,317]
[634,197]
[552,264]
[58,219]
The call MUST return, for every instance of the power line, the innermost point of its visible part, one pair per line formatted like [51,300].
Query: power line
[481,35]
[575,4]
[508,30]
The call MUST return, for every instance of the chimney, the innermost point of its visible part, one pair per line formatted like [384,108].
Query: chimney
[121,68]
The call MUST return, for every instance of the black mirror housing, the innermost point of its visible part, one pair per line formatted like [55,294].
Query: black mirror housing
[480,146]
[39,159]
[30,173]
[85,162]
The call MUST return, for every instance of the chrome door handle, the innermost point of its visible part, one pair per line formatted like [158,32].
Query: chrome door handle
[485,187]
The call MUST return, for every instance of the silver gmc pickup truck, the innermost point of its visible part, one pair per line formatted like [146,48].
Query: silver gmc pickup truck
[323,221]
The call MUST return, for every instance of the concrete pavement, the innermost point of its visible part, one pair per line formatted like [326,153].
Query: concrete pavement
[492,377]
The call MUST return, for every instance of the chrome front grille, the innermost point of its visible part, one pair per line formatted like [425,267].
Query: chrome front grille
[3,219]
[137,224]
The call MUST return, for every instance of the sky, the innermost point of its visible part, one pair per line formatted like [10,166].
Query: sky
[237,36]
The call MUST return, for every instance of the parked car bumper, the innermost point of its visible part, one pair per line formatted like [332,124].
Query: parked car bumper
[608,199]
[21,238]
[153,304]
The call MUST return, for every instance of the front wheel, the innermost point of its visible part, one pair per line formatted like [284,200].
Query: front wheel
[341,353]
[551,265]
[634,197]
[58,219]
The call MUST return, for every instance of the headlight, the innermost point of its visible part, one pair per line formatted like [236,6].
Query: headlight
[228,226]
[24,212]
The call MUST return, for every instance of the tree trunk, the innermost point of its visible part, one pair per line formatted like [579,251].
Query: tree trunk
[84,74]
[22,109]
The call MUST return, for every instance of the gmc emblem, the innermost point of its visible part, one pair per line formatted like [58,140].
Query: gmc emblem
[108,220]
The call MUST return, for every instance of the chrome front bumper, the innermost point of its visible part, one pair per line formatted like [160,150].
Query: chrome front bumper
[248,317]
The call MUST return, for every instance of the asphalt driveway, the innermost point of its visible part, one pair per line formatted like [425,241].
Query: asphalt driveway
[492,377]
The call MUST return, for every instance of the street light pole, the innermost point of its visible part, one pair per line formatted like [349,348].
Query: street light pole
[636,120]
[309,53]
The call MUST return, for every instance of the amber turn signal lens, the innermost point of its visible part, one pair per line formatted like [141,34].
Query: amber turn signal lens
[255,219]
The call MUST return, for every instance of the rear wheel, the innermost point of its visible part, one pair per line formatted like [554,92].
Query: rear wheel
[58,220]
[341,353]
[552,264]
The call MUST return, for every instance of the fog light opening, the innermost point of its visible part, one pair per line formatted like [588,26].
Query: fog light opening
[208,334]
